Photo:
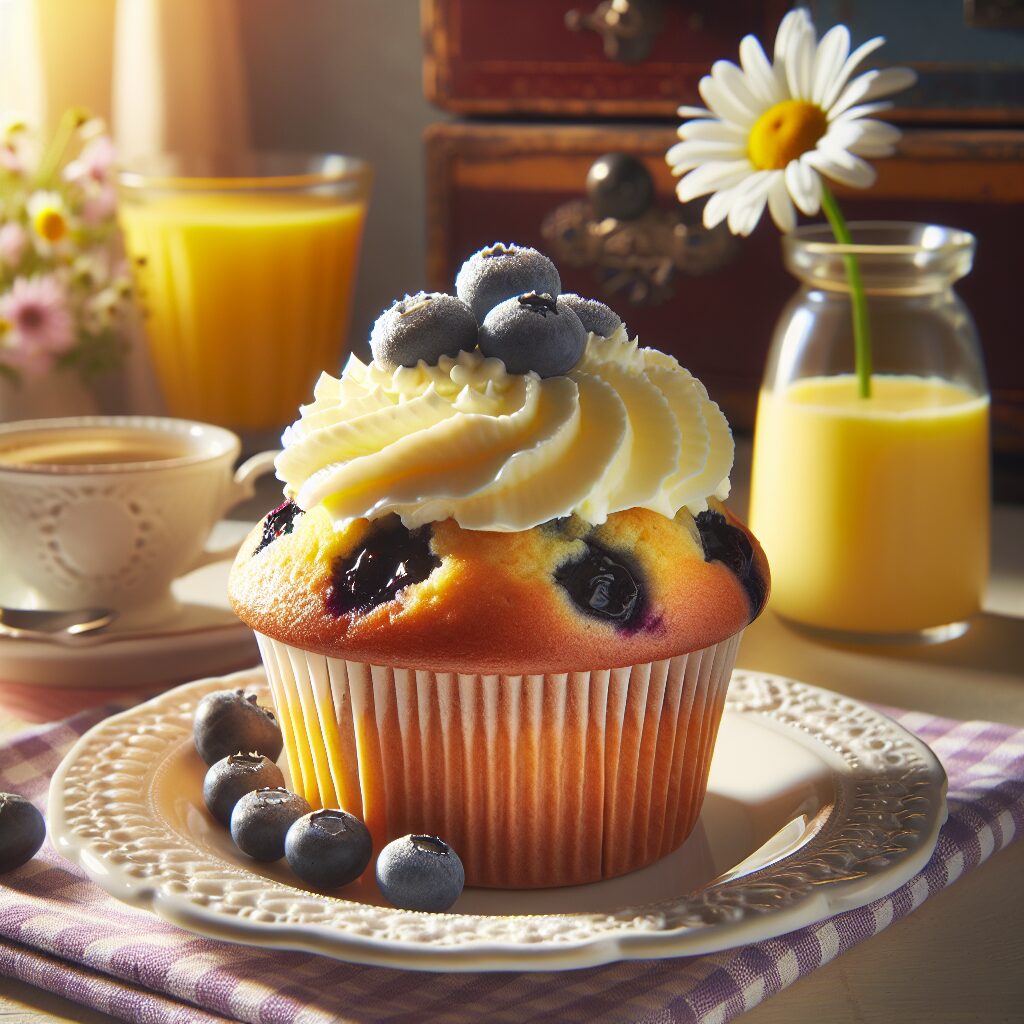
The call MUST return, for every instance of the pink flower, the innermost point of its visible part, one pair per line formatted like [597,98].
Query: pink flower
[13,240]
[10,161]
[99,205]
[38,324]
[94,163]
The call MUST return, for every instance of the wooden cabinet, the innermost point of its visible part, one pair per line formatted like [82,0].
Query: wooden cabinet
[502,179]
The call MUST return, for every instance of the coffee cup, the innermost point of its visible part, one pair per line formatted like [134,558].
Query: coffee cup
[110,510]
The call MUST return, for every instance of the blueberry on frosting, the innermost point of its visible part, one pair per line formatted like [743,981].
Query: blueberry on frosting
[424,326]
[534,332]
[501,272]
[595,316]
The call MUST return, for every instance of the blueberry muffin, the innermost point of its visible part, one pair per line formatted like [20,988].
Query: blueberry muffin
[502,599]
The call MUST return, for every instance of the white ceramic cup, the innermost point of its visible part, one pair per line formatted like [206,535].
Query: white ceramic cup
[104,532]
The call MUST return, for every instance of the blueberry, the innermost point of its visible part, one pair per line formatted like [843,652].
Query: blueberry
[595,316]
[534,332]
[261,819]
[277,523]
[232,777]
[501,272]
[390,558]
[328,848]
[603,585]
[723,542]
[22,831]
[420,873]
[424,326]
[619,186]
[230,721]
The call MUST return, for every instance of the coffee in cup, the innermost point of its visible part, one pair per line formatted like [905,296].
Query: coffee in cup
[109,511]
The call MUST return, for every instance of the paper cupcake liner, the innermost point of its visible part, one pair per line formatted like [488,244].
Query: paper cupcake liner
[535,780]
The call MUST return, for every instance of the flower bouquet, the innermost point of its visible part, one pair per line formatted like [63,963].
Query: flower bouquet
[64,284]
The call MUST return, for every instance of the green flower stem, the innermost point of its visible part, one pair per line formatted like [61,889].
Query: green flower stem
[858,300]
[53,156]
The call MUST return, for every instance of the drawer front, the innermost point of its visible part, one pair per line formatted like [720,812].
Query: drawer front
[496,57]
[491,183]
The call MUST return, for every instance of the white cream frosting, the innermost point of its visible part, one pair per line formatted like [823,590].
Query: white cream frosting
[627,427]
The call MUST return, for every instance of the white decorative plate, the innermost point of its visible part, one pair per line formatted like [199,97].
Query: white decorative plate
[816,804]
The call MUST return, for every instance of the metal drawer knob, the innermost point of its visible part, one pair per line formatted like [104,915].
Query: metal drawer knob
[627,27]
[634,246]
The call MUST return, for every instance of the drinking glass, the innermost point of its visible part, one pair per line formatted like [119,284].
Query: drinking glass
[244,268]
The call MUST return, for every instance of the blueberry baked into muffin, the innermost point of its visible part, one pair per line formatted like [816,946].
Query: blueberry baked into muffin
[502,599]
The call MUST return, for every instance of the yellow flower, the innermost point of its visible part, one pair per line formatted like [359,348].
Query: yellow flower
[48,216]
[773,130]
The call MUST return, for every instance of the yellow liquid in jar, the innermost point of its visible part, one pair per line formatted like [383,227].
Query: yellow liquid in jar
[874,513]
[245,297]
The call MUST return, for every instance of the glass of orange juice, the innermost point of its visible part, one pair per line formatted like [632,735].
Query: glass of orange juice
[874,512]
[244,268]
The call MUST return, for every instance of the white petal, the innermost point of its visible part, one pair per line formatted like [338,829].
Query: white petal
[712,177]
[861,137]
[828,61]
[849,66]
[717,131]
[722,102]
[747,210]
[799,61]
[873,85]
[862,110]
[734,82]
[684,156]
[843,167]
[760,76]
[780,206]
[804,185]
[843,136]
[693,112]
[718,206]
[795,21]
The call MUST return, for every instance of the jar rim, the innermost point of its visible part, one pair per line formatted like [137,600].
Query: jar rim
[909,238]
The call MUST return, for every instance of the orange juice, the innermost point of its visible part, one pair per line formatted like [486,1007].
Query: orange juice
[245,297]
[874,513]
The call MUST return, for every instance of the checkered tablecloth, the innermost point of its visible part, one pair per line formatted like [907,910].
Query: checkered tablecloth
[61,932]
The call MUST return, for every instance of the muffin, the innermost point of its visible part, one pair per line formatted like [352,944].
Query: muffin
[502,601]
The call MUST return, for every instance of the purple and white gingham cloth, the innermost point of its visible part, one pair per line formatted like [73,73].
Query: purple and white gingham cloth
[61,932]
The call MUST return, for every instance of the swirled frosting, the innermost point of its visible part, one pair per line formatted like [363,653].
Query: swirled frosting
[627,427]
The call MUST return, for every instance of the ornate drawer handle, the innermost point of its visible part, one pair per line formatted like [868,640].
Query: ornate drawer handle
[626,27]
[634,246]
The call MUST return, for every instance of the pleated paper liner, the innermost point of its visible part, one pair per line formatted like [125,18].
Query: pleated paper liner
[534,780]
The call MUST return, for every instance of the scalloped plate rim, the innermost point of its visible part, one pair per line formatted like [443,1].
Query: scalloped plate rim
[823,900]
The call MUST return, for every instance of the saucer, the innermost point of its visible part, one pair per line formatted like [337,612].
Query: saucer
[816,804]
[204,637]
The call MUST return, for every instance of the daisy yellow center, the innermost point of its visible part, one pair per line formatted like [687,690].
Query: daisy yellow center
[784,132]
[50,224]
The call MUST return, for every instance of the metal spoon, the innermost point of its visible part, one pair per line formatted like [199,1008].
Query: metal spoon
[62,627]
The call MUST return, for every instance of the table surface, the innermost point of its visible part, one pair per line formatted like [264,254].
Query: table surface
[959,957]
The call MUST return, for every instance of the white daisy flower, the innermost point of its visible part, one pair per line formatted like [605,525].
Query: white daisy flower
[771,130]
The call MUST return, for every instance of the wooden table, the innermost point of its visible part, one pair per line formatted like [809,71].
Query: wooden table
[959,957]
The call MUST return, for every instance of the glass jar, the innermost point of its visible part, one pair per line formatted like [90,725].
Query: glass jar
[874,512]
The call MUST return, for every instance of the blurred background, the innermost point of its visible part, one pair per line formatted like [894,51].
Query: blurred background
[309,75]
[482,119]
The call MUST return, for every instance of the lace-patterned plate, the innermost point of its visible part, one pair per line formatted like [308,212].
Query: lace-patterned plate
[816,804]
